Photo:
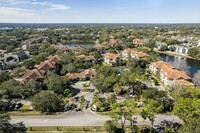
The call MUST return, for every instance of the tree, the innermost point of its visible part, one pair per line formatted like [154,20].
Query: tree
[192,126]
[187,108]
[110,126]
[47,102]
[154,106]
[163,48]
[29,64]
[71,67]
[7,127]
[4,77]
[105,79]
[56,83]
[30,88]
[10,89]
[151,118]
[122,112]
[144,114]
[196,78]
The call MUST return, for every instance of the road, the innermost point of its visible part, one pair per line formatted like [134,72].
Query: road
[81,118]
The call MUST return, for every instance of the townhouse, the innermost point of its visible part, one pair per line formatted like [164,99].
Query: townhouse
[113,59]
[138,42]
[84,75]
[41,70]
[86,58]
[169,75]
[134,54]
[100,48]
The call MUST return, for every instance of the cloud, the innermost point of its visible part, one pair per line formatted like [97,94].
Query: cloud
[51,6]
[15,2]
[8,11]
[58,7]
[48,5]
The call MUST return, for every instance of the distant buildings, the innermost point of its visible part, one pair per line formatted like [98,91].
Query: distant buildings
[29,43]
[159,45]
[138,42]
[134,54]
[179,49]
[112,41]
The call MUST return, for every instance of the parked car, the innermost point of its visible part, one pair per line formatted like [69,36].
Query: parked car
[18,106]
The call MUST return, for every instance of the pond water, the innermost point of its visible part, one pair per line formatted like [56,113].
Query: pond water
[194,65]
[81,44]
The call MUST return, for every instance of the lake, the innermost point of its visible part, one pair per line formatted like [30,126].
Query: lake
[193,64]
[81,44]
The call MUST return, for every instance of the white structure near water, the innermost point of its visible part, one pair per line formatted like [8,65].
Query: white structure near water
[179,49]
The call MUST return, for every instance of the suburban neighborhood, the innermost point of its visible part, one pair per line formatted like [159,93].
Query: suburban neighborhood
[99,67]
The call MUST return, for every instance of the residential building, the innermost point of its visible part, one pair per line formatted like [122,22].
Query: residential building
[155,67]
[159,45]
[84,75]
[34,74]
[112,59]
[86,58]
[169,75]
[138,42]
[112,41]
[41,70]
[133,53]
[45,66]
[100,48]
[179,49]
[29,43]
[10,59]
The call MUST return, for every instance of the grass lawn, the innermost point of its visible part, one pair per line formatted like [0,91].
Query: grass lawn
[28,113]
[105,64]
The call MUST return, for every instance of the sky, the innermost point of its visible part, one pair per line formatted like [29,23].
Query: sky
[100,11]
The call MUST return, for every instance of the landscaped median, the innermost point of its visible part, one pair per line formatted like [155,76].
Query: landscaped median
[76,129]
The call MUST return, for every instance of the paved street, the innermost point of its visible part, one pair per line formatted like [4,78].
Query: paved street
[85,118]
[81,118]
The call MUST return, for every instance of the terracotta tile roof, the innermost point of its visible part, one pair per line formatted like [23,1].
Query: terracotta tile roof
[138,41]
[141,54]
[111,56]
[54,59]
[159,64]
[129,51]
[99,46]
[81,75]
[111,37]
[112,40]
[174,74]
[135,53]
[45,66]
[171,73]
[184,82]
[85,57]
[32,74]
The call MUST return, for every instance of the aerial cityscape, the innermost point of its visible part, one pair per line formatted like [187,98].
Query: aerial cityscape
[99,66]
